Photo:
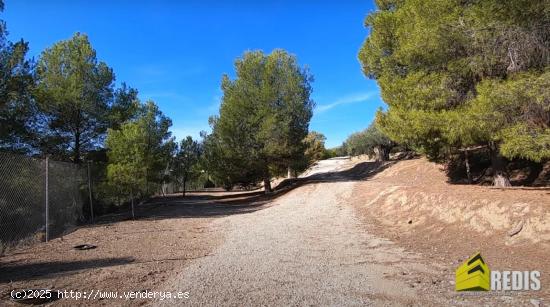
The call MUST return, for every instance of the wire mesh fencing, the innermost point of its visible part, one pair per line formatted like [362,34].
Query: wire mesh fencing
[39,199]
[67,189]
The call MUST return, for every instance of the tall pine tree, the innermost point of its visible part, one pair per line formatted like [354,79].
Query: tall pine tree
[17,109]
[264,116]
[74,92]
[460,73]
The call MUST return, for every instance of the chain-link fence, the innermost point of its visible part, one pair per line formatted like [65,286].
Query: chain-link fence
[39,199]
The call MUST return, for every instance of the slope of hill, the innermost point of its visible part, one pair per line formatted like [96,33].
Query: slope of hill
[416,191]
[411,203]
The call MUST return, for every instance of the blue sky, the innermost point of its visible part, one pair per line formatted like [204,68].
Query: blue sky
[175,52]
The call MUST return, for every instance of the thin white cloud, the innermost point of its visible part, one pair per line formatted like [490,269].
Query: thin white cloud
[345,100]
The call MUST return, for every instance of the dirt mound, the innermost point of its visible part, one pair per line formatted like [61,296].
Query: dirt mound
[411,203]
[417,190]
[416,172]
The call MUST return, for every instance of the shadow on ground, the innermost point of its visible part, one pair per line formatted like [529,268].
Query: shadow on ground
[359,172]
[194,205]
[14,271]
[213,204]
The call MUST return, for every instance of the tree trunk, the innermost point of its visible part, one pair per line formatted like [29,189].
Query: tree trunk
[467,162]
[289,172]
[267,185]
[147,181]
[501,178]
[132,200]
[382,153]
[184,182]
[76,152]
[534,171]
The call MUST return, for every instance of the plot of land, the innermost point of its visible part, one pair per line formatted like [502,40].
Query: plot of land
[320,241]
[131,255]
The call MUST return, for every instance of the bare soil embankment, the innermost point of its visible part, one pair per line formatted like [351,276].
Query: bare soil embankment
[348,233]
[411,203]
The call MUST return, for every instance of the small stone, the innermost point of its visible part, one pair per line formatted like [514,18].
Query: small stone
[516,229]
[410,221]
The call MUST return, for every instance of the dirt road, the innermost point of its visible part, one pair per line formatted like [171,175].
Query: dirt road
[318,241]
[309,248]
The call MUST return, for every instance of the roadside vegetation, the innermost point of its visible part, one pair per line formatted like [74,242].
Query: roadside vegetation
[264,119]
[466,83]
[371,141]
[464,78]
[66,105]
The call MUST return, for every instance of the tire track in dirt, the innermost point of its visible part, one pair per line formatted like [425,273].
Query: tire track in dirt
[307,249]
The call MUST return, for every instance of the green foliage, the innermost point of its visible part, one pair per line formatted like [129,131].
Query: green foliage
[330,153]
[459,73]
[77,100]
[340,151]
[140,152]
[17,108]
[127,168]
[370,141]
[515,113]
[74,91]
[315,146]
[61,106]
[125,106]
[264,116]
[314,150]
[226,165]
[186,166]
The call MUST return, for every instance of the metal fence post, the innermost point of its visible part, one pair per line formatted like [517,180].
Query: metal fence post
[47,201]
[132,198]
[90,193]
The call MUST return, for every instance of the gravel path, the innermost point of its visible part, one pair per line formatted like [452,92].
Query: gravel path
[309,248]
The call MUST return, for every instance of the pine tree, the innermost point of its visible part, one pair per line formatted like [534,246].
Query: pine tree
[370,141]
[18,112]
[74,92]
[264,116]
[445,69]
[186,161]
[139,151]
